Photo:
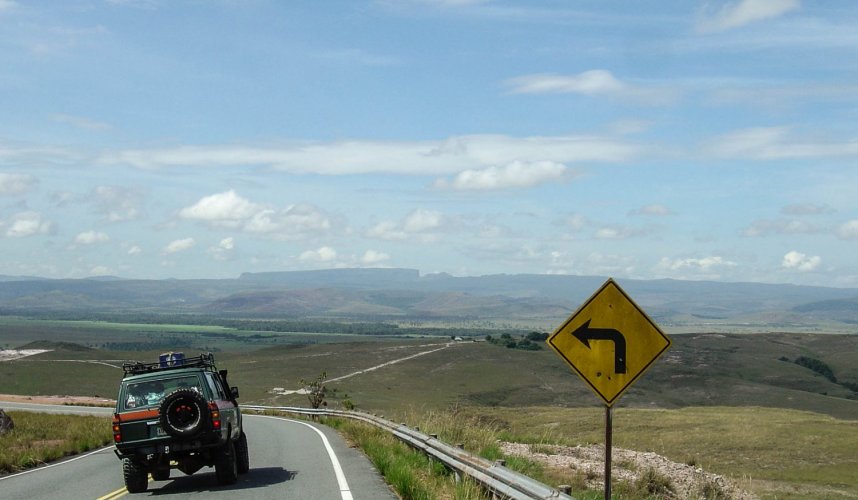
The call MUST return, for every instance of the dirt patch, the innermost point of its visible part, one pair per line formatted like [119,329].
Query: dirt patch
[687,481]
[58,400]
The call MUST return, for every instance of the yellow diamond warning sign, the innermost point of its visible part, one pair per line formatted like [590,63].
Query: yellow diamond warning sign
[609,342]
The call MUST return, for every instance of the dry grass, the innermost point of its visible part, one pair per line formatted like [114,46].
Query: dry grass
[39,438]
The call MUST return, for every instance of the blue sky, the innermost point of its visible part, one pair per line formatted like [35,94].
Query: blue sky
[654,139]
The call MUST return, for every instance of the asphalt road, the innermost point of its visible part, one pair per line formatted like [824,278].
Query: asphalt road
[289,459]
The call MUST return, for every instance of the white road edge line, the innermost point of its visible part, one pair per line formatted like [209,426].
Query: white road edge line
[43,467]
[338,470]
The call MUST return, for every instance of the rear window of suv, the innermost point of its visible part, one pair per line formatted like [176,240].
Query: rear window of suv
[148,393]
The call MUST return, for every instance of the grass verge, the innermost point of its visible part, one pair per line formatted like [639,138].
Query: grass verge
[411,473]
[39,438]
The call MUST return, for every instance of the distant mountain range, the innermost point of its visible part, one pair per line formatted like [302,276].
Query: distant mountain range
[406,295]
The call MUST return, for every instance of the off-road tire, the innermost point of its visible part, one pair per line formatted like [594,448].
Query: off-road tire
[242,454]
[226,464]
[184,413]
[135,475]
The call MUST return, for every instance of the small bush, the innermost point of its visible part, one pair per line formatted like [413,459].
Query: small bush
[652,482]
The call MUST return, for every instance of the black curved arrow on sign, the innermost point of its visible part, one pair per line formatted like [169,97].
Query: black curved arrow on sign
[585,334]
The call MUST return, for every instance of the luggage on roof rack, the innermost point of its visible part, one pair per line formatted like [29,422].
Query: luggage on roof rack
[169,361]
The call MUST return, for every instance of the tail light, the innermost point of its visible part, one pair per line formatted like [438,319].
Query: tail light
[215,412]
[117,431]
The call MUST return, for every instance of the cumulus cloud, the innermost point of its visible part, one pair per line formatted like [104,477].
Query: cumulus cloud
[374,257]
[800,262]
[135,250]
[590,83]
[226,209]
[177,246]
[514,175]
[25,224]
[444,157]
[91,238]
[424,225]
[223,250]
[322,254]
[229,210]
[16,183]
[739,13]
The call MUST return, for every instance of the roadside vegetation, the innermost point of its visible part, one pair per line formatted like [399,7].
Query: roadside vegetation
[39,438]
[410,473]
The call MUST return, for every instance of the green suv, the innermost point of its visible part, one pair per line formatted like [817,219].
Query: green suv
[178,413]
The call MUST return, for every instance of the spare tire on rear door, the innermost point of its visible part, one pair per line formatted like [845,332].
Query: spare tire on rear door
[184,413]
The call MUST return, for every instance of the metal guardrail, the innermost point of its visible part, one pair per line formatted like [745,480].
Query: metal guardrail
[494,477]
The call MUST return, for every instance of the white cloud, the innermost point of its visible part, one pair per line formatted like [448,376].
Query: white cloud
[742,12]
[800,261]
[135,250]
[373,257]
[227,243]
[230,210]
[91,238]
[703,264]
[7,5]
[449,156]
[99,271]
[223,250]
[16,183]
[617,232]
[225,209]
[597,81]
[515,175]
[25,224]
[590,83]
[421,224]
[421,221]
[179,246]
[776,143]
[322,254]
[848,230]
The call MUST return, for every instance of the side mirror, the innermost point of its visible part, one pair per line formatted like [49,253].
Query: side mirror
[234,392]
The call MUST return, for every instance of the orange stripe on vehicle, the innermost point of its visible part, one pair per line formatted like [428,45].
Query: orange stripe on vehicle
[138,415]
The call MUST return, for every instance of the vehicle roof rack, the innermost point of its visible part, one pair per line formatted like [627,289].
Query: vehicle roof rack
[201,361]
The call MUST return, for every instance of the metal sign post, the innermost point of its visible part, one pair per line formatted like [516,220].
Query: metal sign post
[608,438]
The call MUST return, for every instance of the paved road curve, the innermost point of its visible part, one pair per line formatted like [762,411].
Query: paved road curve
[289,459]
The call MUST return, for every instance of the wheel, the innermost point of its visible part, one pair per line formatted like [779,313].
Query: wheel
[135,475]
[161,474]
[183,413]
[241,454]
[226,465]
